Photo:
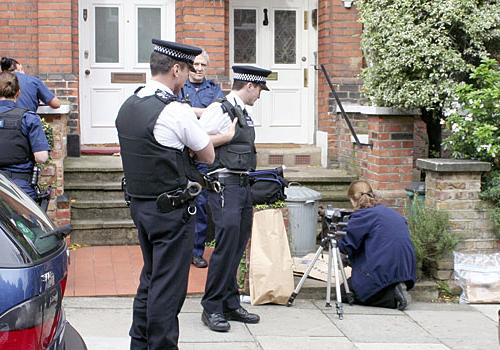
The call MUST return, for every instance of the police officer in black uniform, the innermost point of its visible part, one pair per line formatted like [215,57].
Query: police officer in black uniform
[22,139]
[157,134]
[232,208]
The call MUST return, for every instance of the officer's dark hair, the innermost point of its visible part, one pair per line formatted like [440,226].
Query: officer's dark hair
[8,64]
[9,85]
[239,84]
[162,64]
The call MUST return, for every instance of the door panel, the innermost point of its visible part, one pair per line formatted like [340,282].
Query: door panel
[115,41]
[270,34]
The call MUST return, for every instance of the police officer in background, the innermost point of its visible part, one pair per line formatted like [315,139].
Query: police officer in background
[157,134]
[22,138]
[232,208]
[200,92]
[33,89]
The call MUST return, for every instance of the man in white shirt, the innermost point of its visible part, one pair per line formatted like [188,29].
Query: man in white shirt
[157,135]
[231,208]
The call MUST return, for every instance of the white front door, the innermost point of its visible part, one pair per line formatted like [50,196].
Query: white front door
[275,34]
[115,44]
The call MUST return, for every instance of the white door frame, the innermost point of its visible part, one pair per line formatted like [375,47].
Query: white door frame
[85,48]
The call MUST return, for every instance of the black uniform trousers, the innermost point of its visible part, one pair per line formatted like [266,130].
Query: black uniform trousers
[166,241]
[384,298]
[232,217]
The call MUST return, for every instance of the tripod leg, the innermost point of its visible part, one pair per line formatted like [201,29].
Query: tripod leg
[329,278]
[304,277]
[338,304]
[350,298]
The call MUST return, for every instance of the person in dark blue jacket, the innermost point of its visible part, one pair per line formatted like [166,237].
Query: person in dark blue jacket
[33,90]
[22,138]
[200,92]
[380,251]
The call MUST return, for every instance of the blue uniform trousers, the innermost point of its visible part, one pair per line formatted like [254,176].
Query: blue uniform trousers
[233,225]
[201,217]
[166,241]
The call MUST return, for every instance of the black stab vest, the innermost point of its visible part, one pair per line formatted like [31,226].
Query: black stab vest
[240,153]
[15,147]
[150,168]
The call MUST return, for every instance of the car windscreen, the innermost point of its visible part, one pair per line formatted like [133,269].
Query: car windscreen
[24,221]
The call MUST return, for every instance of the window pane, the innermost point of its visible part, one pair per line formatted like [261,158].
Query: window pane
[285,37]
[245,33]
[106,34]
[148,27]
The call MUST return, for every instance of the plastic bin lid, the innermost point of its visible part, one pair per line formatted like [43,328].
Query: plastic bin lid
[301,194]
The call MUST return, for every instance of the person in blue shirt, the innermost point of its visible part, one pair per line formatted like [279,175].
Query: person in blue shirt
[380,251]
[200,92]
[33,90]
[22,138]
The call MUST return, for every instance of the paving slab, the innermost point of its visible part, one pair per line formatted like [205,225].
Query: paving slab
[459,330]
[285,321]
[219,346]
[489,310]
[304,343]
[191,327]
[382,328]
[356,309]
[400,346]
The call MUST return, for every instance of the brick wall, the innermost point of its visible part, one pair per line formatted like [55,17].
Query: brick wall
[339,35]
[43,36]
[206,24]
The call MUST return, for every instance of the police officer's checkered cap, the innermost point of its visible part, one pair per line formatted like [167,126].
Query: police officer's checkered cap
[177,51]
[249,77]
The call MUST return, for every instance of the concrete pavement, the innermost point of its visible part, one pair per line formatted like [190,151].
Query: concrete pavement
[308,325]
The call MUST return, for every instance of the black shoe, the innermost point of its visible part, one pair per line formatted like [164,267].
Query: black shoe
[216,321]
[242,315]
[403,299]
[198,261]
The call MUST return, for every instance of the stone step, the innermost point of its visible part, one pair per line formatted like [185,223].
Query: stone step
[90,191]
[93,176]
[99,210]
[104,232]
[290,155]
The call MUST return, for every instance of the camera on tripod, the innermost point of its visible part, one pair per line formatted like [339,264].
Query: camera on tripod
[335,221]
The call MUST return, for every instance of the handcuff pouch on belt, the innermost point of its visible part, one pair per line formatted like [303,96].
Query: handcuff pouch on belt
[168,201]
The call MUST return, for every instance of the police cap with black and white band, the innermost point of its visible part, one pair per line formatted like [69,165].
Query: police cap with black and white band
[177,51]
[252,74]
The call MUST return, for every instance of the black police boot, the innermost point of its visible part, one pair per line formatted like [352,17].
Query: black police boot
[242,315]
[216,321]
[403,298]
[199,262]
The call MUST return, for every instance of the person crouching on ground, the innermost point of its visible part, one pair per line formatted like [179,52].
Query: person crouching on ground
[380,251]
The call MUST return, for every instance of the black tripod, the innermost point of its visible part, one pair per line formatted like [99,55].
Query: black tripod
[334,261]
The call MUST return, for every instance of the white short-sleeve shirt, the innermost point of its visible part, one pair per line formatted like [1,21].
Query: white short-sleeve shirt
[177,125]
[214,120]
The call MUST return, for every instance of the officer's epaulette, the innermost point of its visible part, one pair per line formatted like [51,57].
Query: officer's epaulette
[165,96]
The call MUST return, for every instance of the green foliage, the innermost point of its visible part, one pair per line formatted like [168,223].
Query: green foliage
[474,122]
[242,271]
[491,192]
[417,51]
[275,205]
[49,132]
[429,229]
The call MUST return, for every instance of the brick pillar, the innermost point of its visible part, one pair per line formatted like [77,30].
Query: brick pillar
[205,24]
[386,159]
[453,185]
[53,171]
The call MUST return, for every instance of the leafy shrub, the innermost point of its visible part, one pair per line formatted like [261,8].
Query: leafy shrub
[474,122]
[49,132]
[491,192]
[429,230]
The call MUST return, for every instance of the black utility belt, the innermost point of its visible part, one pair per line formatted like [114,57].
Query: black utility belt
[234,179]
[14,175]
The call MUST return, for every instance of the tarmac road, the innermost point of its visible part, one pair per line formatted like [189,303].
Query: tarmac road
[308,325]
